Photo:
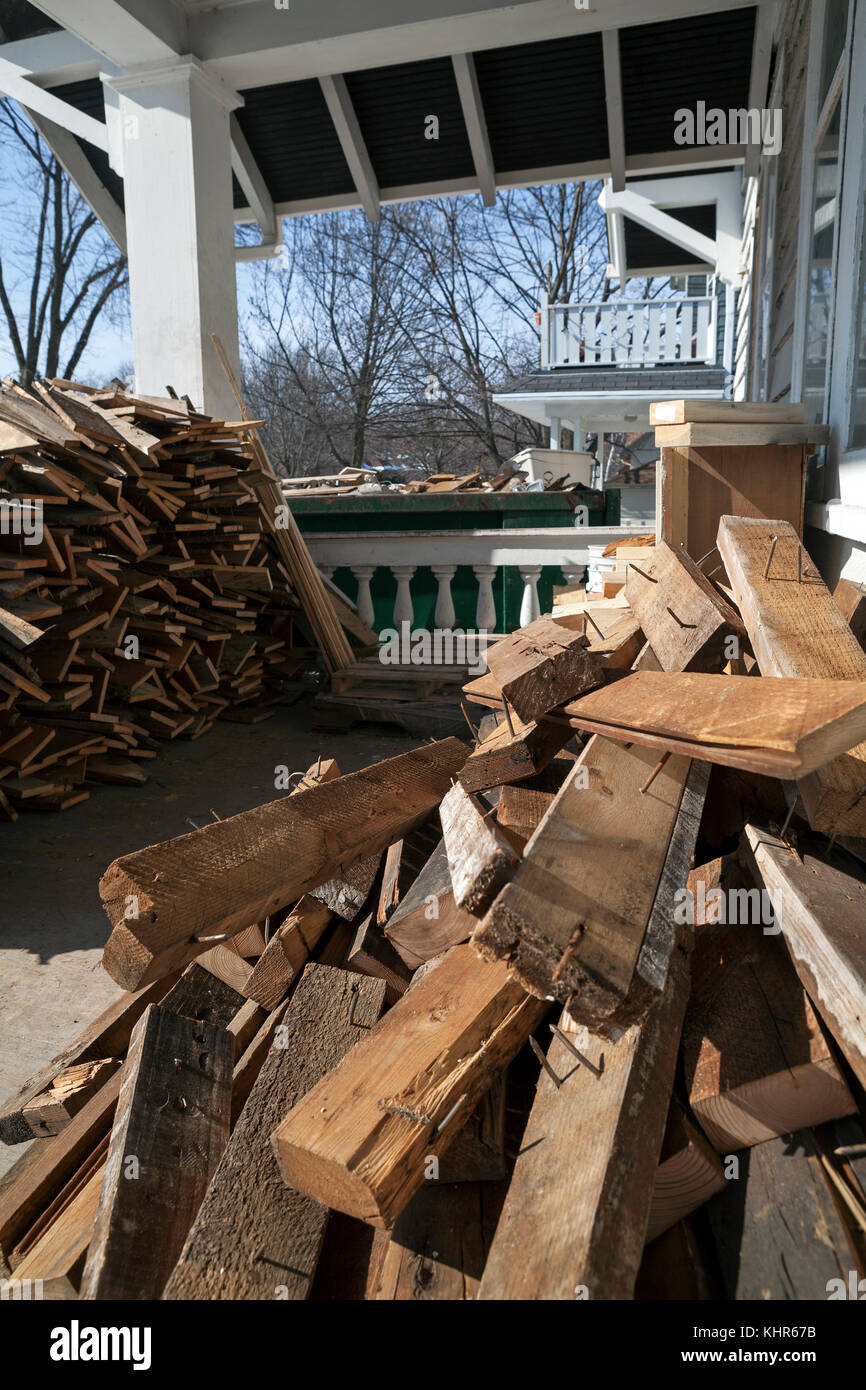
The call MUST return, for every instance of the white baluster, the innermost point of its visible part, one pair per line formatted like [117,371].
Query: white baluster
[403,611]
[485,612]
[327,570]
[363,574]
[444,614]
[530,609]
[573,573]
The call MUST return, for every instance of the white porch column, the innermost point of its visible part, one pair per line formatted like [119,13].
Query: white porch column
[530,609]
[176,151]
[485,612]
[363,574]
[555,432]
[403,611]
[443,617]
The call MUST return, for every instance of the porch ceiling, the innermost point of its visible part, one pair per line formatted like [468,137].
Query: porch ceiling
[539,104]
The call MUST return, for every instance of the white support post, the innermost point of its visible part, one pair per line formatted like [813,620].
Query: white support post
[613,103]
[485,611]
[176,161]
[476,124]
[403,610]
[444,614]
[336,94]
[530,608]
[555,432]
[544,309]
[364,601]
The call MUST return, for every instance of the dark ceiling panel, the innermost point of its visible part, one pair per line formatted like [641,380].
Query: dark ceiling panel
[290,132]
[544,102]
[668,66]
[646,250]
[18,20]
[393,104]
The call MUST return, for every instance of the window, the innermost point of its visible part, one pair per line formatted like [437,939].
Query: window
[820,299]
[857,427]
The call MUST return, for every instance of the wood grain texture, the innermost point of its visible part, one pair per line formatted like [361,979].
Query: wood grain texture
[252,1233]
[690,1172]
[572,921]
[756,1063]
[797,629]
[684,619]
[850,599]
[202,995]
[173,1117]
[541,665]
[51,1112]
[780,728]
[503,757]
[427,920]
[346,894]
[61,1251]
[359,1139]
[287,952]
[438,1247]
[481,855]
[777,1229]
[822,912]
[217,879]
[580,1195]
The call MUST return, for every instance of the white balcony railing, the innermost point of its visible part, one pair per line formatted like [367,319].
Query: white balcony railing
[628,332]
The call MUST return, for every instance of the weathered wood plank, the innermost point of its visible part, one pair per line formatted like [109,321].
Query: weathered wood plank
[253,1235]
[684,619]
[173,1121]
[541,665]
[481,855]
[287,952]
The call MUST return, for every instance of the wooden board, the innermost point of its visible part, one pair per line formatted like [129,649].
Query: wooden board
[217,879]
[781,728]
[254,1237]
[503,757]
[572,921]
[287,952]
[755,434]
[359,1139]
[61,1251]
[575,1218]
[685,620]
[173,1119]
[427,920]
[690,1172]
[438,1247]
[481,856]
[50,1112]
[756,1063]
[850,599]
[541,665]
[798,630]
[725,412]
[821,910]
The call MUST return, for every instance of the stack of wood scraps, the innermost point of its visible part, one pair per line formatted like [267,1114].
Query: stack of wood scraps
[533,1009]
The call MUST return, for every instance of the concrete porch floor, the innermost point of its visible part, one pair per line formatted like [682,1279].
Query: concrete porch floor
[52,925]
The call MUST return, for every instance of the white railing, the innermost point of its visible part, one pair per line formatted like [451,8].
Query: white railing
[628,332]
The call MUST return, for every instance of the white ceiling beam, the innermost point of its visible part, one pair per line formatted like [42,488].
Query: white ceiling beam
[52,59]
[646,214]
[251,180]
[336,94]
[128,32]
[14,83]
[762,51]
[613,103]
[476,124]
[252,45]
[79,169]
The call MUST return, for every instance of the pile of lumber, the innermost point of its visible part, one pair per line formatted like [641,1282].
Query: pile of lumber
[576,1012]
[145,587]
[349,480]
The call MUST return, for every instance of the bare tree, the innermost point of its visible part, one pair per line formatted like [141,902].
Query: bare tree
[65,272]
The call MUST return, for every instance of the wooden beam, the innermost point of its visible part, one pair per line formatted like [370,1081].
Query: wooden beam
[572,921]
[346,894]
[541,665]
[251,180]
[287,953]
[755,1060]
[690,1172]
[336,94]
[850,599]
[614,108]
[820,909]
[781,728]
[199,994]
[509,754]
[797,630]
[60,1252]
[371,953]
[51,1112]
[254,1237]
[213,882]
[576,1227]
[427,920]
[683,617]
[476,124]
[481,856]
[358,1141]
[438,1247]
[173,1122]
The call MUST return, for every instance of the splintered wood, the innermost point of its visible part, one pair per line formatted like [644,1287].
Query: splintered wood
[577,1013]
